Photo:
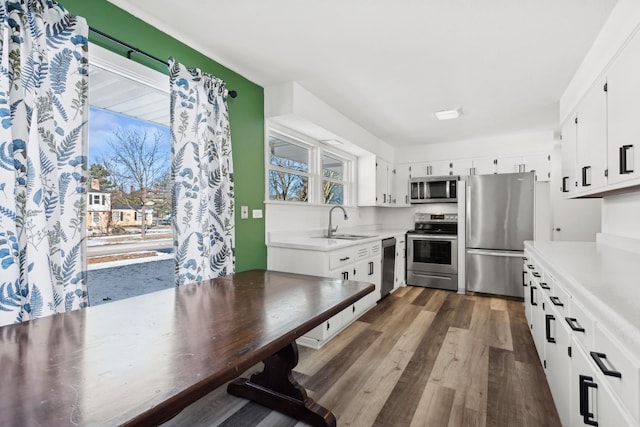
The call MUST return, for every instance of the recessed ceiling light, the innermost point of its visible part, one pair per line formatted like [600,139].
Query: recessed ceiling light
[448,114]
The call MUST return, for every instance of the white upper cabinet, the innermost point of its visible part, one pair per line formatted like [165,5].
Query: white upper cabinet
[402,176]
[569,143]
[484,166]
[379,191]
[623,93]
[591,141]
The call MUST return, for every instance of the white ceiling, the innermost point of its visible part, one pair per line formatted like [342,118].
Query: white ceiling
[388,65]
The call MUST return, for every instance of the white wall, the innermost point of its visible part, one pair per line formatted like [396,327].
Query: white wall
[498,145]
[294,218]
[621,215]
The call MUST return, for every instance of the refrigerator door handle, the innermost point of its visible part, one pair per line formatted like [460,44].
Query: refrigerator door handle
[494,253]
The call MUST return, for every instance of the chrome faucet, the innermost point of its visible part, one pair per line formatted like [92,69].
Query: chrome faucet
[331,230]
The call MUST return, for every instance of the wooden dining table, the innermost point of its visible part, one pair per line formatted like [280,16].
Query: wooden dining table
[141,360]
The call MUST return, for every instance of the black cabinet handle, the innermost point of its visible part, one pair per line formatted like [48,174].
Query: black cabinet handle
[353,309]
[345,275]
[524,279]
[565,184]
[536,274]
[585,384]
[370,268]
[524,258]
[344,259]
[533,301]
[598,357]
[573,324]
[328,325]
[586,181]
[556,301]
[548,319]
[530,266]
[544,285]
[624,168]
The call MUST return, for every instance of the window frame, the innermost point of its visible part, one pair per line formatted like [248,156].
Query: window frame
[315,171]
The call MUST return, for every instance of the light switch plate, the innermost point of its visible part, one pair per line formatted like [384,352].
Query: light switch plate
[257,213]
[244,212]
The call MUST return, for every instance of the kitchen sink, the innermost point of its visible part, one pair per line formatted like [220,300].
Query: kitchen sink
[345,236]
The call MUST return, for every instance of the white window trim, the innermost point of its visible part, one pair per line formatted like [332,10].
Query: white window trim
[316,150]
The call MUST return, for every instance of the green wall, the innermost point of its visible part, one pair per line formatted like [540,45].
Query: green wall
[246,112]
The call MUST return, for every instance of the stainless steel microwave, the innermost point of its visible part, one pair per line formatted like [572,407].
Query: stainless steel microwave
[433,189]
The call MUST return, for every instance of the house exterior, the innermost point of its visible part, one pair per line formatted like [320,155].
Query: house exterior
[130,216]
[98,208]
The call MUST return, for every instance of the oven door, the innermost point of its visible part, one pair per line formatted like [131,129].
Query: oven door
[430,253]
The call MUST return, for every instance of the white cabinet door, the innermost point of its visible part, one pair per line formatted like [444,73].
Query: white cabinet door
[591,141]
[382,181]
[592,403]
[485,165]
[511,164]
[439,168]
[401,196]
[461,167]
[569,134]
[400,272]
[558,364]
[623,98]
[540,164]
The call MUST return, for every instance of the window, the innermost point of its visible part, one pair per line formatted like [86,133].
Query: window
[132,100]
[300,170]
[288,177]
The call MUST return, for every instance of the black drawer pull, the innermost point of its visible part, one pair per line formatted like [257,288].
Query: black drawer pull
[533,300]
[530,266]
[624,167]
[344,259]
[556,301]
[585,384]
[536,274]
[544,285]
[524,258]
[573,324]
[548,319]
[524,279]
[597,357]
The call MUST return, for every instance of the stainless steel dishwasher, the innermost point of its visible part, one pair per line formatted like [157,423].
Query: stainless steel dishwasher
[388,266]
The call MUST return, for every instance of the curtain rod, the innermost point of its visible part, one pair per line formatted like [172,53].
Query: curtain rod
[232,93]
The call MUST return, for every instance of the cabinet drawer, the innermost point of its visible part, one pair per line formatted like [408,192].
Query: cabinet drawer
[326,328]
[341,257]
[613,360]
[362,252]
[582,324]
[375,249]
[559,299]
[547,284]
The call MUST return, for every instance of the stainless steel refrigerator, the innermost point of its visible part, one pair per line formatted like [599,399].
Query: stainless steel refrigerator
[499,218]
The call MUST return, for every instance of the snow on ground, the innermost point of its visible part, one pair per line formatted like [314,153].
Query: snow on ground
[126,279]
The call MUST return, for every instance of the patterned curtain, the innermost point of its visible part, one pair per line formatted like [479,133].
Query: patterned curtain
[43,163]
[202,173]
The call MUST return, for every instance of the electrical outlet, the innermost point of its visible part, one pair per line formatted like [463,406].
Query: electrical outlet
[244,212]
[257,213]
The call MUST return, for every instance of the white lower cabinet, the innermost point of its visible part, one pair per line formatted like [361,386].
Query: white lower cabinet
[361,262]
[592,402]
[400,267]
[593,379]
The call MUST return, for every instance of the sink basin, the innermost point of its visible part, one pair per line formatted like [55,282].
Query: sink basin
[345,236]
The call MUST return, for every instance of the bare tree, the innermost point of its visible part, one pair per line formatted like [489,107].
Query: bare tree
[137,161]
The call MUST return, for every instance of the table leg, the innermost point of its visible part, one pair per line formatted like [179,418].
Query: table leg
[276,388]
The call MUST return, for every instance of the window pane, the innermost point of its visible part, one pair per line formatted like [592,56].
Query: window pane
[288,186]
[287,155]
[332,193]
[332,167]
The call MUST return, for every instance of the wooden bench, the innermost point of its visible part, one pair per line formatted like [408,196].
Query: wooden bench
[142,360]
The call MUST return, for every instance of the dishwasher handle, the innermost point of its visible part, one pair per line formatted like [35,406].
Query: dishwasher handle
[391,241]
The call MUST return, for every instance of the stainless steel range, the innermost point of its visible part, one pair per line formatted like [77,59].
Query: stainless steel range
[432,251]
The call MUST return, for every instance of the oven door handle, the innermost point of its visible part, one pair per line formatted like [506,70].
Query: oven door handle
[494,253]
[432,237]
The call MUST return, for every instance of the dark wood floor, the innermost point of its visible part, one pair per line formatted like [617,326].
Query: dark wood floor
[421,357]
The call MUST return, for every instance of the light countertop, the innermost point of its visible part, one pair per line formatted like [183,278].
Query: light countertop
[311,240]
[605,279]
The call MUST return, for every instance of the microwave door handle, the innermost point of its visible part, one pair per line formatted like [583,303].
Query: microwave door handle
[447,186]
